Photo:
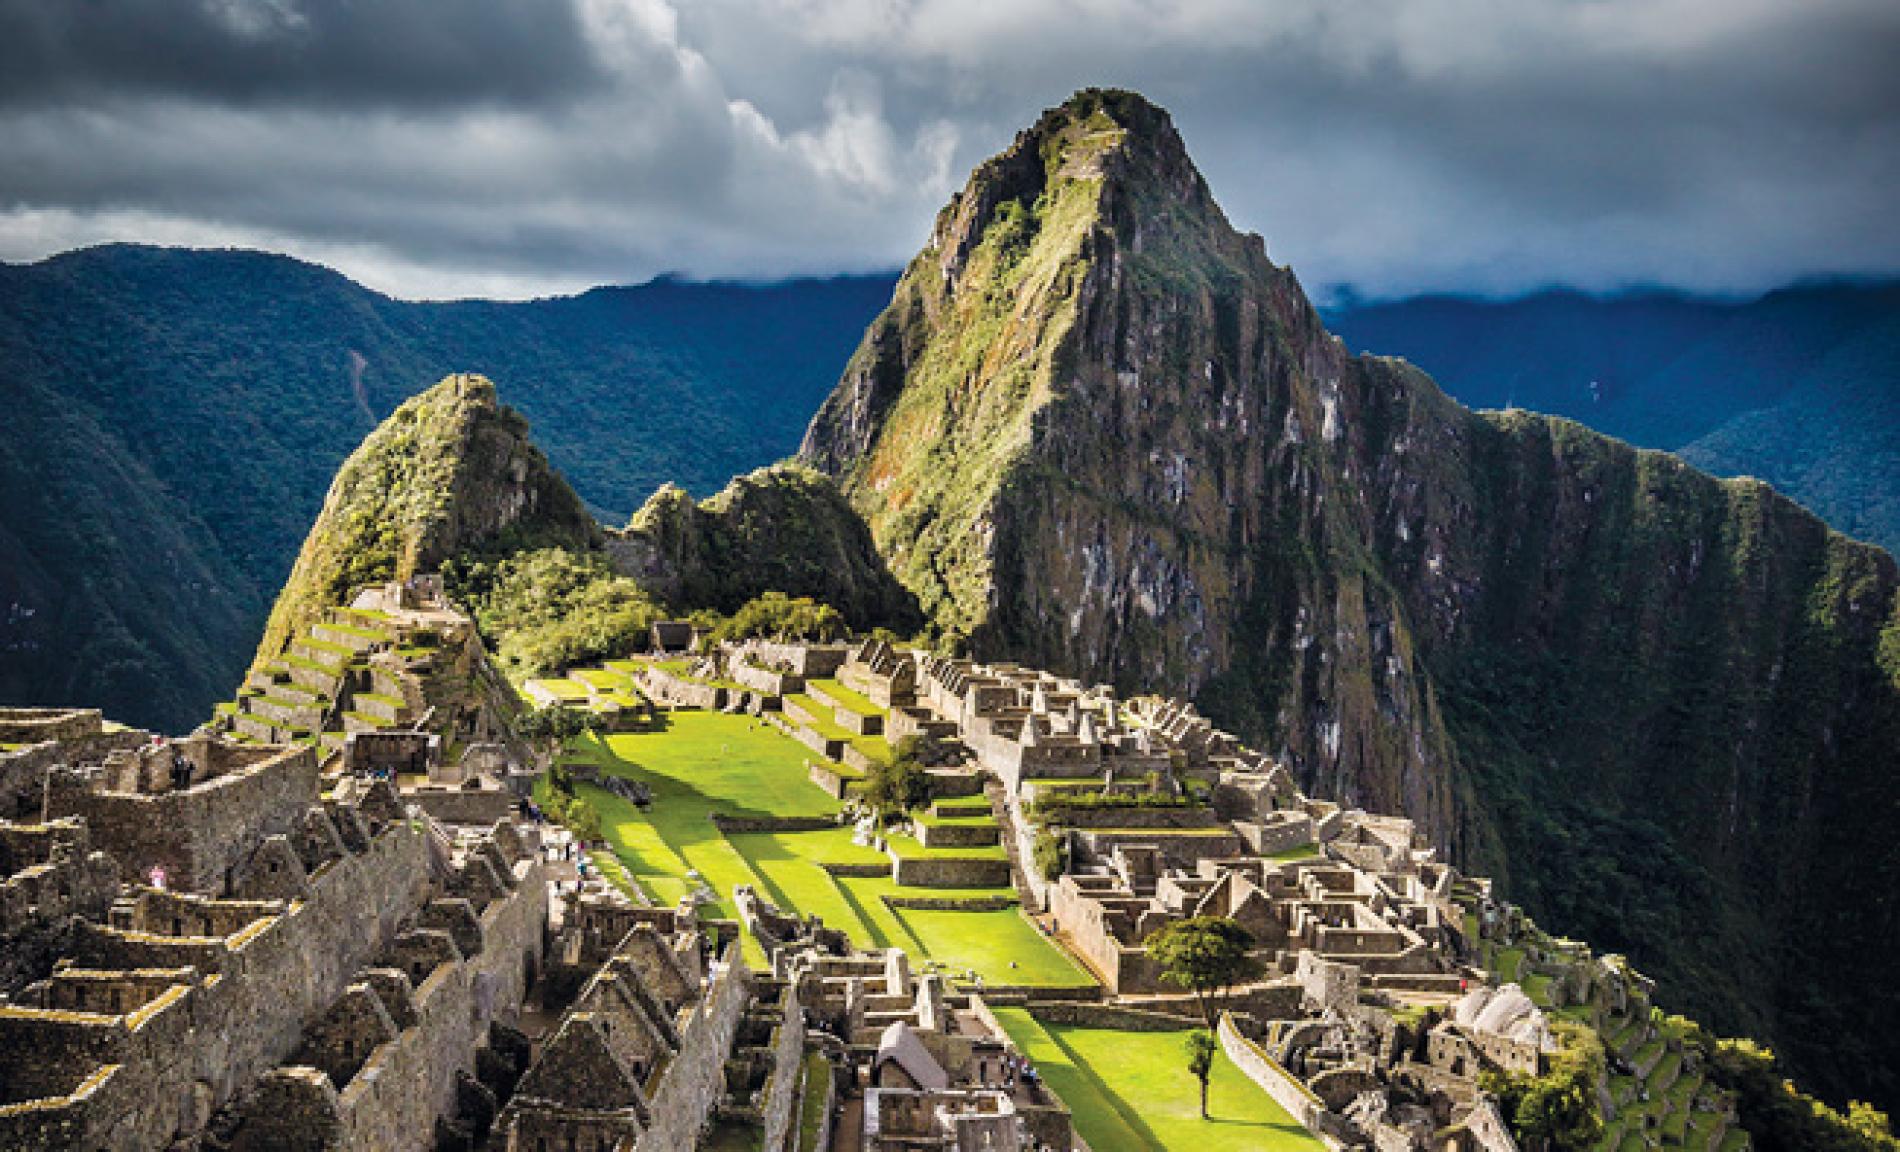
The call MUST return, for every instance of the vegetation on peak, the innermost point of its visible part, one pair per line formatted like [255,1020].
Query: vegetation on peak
[783,529]
[550,609]
[450,471]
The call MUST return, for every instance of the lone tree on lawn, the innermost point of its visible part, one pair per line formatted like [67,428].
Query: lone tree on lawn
[899,786]
[555,725]
[1206,955]
[1200,1054]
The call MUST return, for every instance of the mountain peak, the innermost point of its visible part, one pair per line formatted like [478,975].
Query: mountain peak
[1105,157]
[451,470]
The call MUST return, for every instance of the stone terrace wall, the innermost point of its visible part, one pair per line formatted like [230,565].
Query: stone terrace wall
[765,680]
[667,688]
[179,1061]
[696,1078]
[1286,1090]
[23,773]
[202,834]
[33,725]
[951,872]
[788,1066]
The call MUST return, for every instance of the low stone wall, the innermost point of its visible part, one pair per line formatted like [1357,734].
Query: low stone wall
[859,870]
[666,688]
[950,872]
[764,680]
[810,738]
[1179,848]
[830,778]
[462,805]
[35,725]
[858,723]
[809,660]
[950,903]
[902,722]
[1085,816]
[952,784]
[853,758]
[696,1078]
[1113,1016]
[1286,1090]
[957,835]
[1295,830]
[23,772]
[731,824]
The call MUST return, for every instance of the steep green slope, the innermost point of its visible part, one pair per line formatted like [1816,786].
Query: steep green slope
[1098,430]
[110,590]
[226,387]
[451,473]
[452,483]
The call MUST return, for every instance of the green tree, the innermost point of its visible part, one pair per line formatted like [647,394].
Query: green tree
[1200,1054]
[780,617]
[1779,1116]
[1206,955]
[1557,1110]
[583,819]
[899,786]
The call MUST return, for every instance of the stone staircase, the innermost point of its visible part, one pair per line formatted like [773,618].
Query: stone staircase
[323,687]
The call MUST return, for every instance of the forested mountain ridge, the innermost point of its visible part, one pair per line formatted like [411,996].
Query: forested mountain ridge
[1799,387]
[176,415]
[1098,430]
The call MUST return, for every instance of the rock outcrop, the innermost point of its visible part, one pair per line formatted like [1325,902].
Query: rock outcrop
[781,529]
[1098,430]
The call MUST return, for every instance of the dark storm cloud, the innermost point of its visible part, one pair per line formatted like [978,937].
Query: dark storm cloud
[350,53]
[503,146]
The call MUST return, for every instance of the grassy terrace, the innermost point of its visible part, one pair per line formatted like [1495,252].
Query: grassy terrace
[567,691]
[876,747]
[1131,1091]
[703,763]
[848,699]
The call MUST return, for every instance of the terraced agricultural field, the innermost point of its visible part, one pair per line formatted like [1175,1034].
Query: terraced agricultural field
[702,763]
[1131,1092]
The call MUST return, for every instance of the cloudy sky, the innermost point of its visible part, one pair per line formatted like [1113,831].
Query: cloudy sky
[520,147]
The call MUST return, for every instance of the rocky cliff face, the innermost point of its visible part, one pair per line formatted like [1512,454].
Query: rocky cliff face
[1097,429]
[450,471]
[782,529]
